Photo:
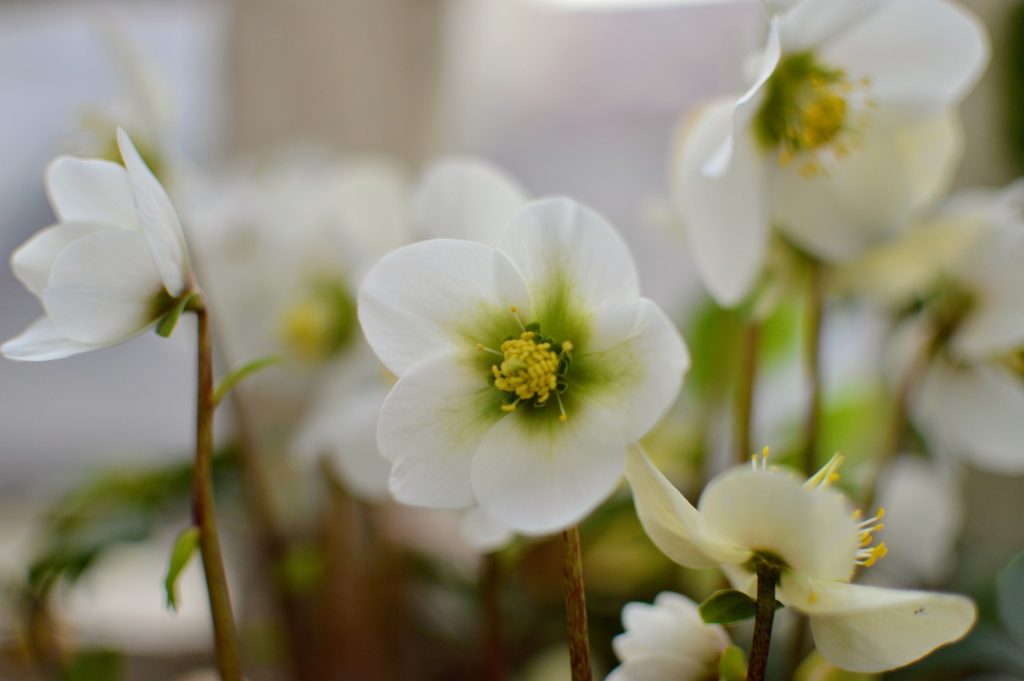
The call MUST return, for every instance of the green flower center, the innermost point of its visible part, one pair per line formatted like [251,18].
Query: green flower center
[533,369]
[808,108]
[319,325]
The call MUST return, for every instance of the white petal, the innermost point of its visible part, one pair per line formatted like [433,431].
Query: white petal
[976,411]
[813,23]
[466,198]
[663,666]
[430,428]
[992,272]
[90,190]
[572,260]
[729,236]
[921,54]
[103,287]
[869,629]
[862,198]
[482,532]
[33,260]
[931,151]
[541,476]
[342,426]
[671,522]
[159,219]
[439,296]
[648,362]
[810,529]
[42,341]
[372,195]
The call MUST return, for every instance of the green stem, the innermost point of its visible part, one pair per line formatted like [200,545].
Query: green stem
[744,407]
[575,606]
[490,604]
[229,663]
[812,354]
[767,579]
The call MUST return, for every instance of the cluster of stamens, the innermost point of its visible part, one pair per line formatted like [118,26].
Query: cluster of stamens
[868,555]
[532,369]
[811,113]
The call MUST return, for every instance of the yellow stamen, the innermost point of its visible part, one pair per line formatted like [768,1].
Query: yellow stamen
[529,369]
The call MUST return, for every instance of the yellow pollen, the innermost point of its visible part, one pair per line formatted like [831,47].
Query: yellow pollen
[529,370]
[813,598]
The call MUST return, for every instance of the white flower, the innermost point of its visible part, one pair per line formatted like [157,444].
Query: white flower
[667,641]
[114,264]
[809,531]
[483,533]
[846,132]
[524,370]
[962,266]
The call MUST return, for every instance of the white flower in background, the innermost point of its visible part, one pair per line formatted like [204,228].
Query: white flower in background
[847,131]
[808,530]
[961,270]
[113,266]
[924,515]
[524,370]
[667,641]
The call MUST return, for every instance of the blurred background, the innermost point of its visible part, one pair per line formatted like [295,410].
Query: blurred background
[581,97]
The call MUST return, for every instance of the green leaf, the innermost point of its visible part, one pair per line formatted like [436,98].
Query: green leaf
[96,665]
[181,554]
[1010,598]
[732,666]
[239,373]
[165,327]
[727,606]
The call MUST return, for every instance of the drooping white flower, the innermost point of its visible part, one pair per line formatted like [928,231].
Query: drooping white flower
[667,641]
[808,530]
[113,265]
[846,132]
[524,370]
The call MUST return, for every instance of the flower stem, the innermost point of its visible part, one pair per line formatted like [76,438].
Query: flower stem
[812,355]
[767,579]
[575,606]
[229,663]
[744,406]
[490,604]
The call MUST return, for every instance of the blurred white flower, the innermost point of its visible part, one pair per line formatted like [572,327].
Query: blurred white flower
[667,641]
[924,515]
[808,530]
[115,263]
[524,370]
[846,132]
[961,268]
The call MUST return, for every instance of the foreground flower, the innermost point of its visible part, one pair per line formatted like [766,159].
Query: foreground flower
[524,370]
[807,531]
[667,641]
[846,132]
[113,266]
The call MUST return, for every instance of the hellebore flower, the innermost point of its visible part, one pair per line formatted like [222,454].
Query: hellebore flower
[847,131]
[667,641]
[525,371]
[114,265]
[808,531]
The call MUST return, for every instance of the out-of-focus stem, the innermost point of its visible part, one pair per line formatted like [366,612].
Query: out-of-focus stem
[575,606]
[490,605]
[229,663]
[812,354]
[746,381]
[767,579]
